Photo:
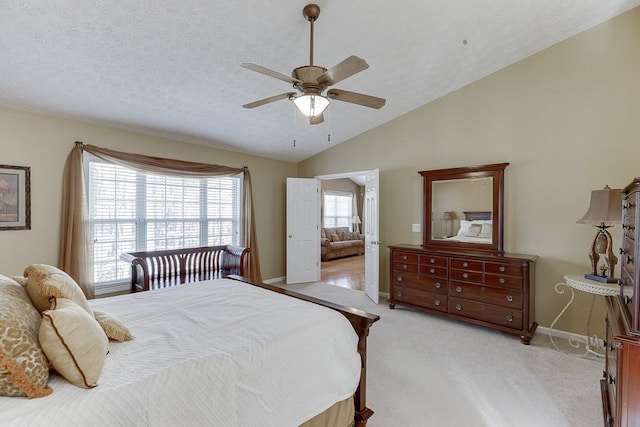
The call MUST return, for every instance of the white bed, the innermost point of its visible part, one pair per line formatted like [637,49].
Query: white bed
[214,354]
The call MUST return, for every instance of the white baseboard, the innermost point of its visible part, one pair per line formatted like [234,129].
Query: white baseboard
[274,280]
[594,341]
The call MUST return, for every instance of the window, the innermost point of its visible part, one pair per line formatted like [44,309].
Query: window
[132,210]
[337,208]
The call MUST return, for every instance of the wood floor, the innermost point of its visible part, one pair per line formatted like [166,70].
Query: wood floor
[347,272]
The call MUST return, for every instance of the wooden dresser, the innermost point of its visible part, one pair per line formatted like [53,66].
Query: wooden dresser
[620,386]
[487,289]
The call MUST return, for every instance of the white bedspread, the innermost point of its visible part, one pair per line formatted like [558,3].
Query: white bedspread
[208,354]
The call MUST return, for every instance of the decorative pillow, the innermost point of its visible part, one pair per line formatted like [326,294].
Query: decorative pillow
[45,281]
[474,230]
[465,224]
[112,326]
[486,231]
[334,238]
[74,342]
[24,369]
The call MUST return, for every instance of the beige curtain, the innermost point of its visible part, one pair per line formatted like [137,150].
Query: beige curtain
[75,254]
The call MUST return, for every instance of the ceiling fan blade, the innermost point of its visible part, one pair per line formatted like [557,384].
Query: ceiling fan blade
[347,68]
[269,99]
[316,120]
[356,98]
[262,70]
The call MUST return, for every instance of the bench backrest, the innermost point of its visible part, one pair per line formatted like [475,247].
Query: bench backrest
[160,269]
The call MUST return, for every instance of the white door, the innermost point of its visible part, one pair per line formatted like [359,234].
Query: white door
[371,232]
[303,230]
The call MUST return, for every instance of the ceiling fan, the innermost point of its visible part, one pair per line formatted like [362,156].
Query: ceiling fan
[310,81]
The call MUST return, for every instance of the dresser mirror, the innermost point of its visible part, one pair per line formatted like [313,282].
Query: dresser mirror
[463,208]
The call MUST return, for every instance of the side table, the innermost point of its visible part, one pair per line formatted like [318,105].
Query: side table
[580,283]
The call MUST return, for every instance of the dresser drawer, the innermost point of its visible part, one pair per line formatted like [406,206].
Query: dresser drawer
[420,282]
[503,281]
[433,271]
[503,269]
[511,298]
[403,266]
[467,276]
[433,260]
[464,264]
[610,364]
[423,299]
[408,257]
[490,313]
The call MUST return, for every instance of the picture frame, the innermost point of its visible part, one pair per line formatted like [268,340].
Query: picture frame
[15,197]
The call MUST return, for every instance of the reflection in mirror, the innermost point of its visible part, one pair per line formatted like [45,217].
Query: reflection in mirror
[451,199]
[463,208]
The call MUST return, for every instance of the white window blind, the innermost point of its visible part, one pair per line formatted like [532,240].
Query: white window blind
[337,208]
[131,210]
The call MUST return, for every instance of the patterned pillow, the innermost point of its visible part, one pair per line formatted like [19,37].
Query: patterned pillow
[24,369]
[112,326]
[334,238]
[45,281]
[74,342]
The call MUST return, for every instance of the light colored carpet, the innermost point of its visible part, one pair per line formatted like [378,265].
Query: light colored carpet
[424,370]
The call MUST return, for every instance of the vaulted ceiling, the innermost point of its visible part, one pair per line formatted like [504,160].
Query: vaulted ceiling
[172,68]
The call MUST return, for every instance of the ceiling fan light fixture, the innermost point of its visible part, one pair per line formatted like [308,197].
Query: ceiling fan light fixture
[311,105]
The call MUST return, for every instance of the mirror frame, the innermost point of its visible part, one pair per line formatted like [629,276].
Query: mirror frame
[495,171]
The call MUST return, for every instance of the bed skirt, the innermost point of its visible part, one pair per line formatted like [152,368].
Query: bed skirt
[340,414]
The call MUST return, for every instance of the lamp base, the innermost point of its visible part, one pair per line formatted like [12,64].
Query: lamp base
[603,279]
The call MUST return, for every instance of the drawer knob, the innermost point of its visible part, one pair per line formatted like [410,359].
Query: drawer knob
[432,270]
[465,275]
[404,257]
[399,278]
[612,380]
[432,260]
[501,280]
[465,264]
[438,285]
[502,268]
[509,318]
[437,302]
[400,294]
[404,266]
[459,289]
[458,307]
[509,298]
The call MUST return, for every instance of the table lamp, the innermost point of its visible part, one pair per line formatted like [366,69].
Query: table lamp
[356,223]
[605,210]
[446,217]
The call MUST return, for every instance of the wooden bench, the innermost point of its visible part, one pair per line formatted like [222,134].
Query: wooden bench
[160,269]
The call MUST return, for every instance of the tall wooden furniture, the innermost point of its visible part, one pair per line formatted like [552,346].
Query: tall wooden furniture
[469,279]
[620,386]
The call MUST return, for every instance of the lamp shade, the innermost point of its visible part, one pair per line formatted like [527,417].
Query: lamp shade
[446,215]
[311,105]
[605,208]
[356,220]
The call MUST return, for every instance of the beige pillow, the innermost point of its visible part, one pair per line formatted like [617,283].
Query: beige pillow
[24,369]
[486,231]
[45,281]
[112,326]
[474,230]
[74,342]
[334,238]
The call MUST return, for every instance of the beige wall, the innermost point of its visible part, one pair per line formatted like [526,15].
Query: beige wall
[568,121]
[43,143]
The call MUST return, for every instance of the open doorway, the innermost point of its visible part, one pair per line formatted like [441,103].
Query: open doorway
[342,237]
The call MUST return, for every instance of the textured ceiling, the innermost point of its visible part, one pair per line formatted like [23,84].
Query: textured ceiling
[171,67]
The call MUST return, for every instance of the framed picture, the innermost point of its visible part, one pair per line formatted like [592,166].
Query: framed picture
[15,198]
